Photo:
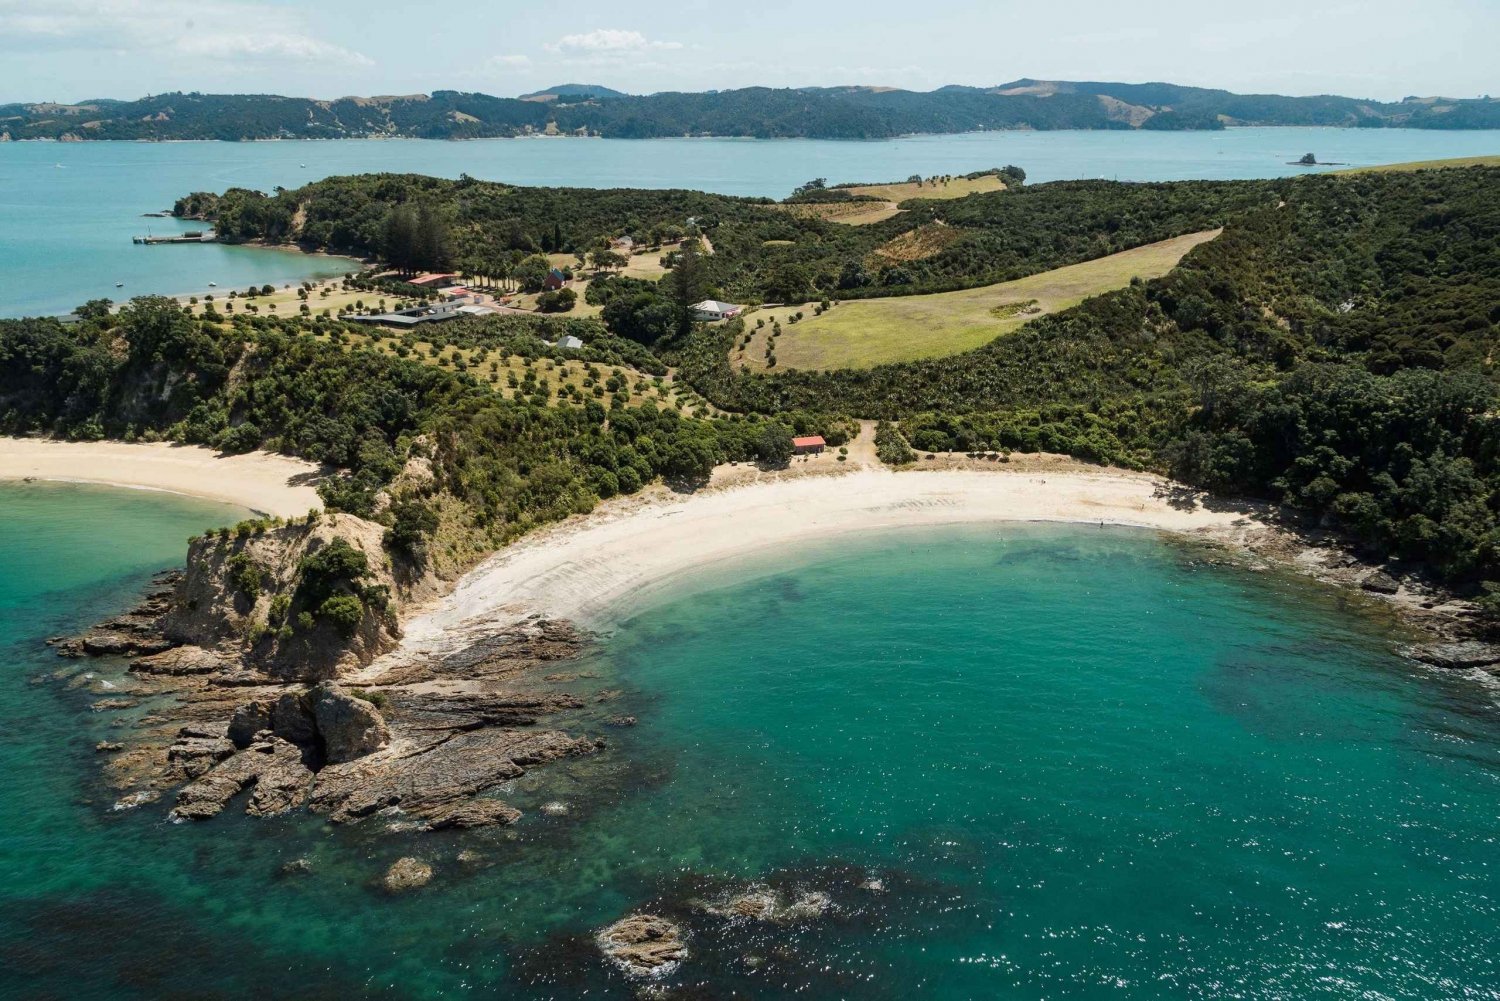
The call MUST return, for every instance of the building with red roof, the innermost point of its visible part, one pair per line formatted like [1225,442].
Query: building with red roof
[808,444]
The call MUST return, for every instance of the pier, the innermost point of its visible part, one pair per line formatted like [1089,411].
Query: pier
[191,236]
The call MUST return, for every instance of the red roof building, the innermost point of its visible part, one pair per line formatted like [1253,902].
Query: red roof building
[809,444]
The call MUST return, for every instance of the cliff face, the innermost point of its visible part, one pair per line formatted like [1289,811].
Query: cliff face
[305,601]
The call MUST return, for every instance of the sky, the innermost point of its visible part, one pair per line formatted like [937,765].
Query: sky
[70,50]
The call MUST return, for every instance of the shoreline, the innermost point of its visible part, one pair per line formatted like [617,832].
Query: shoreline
[263,482]
[594,568]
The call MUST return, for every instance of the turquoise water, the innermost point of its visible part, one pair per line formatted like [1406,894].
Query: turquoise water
[68,210]
[1083,762]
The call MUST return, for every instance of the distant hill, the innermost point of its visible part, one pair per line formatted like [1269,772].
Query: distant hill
[850,112]
[567,93]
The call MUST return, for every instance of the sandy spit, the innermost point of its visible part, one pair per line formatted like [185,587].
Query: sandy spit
[261,481]
[592,568]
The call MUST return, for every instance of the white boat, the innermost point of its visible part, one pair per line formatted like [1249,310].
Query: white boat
[119,284]
[213,284]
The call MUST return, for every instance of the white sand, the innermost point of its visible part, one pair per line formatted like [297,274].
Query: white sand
[591,569]
[261,481]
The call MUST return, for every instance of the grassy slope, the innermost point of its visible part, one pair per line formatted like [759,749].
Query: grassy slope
[871,332]
[1462,161]
[957,187]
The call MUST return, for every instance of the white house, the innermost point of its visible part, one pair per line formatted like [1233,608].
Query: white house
[712,309]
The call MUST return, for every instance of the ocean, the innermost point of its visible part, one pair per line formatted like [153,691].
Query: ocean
[1022,761]
[68,210]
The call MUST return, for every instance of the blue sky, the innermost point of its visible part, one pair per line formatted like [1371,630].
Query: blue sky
[67,50]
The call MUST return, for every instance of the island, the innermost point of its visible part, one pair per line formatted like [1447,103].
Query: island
[537,404]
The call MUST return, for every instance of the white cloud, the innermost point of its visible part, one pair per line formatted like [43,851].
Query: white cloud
[609,40]
[231,32]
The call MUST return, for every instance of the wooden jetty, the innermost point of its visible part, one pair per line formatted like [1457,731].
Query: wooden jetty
[191,236]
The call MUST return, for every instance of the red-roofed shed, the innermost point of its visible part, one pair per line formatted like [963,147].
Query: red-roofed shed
[809,444]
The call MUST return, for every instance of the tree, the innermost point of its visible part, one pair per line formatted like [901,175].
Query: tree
[608,260]
[787,283]
[560,301]
[432,240]
[688,283]
[531,272]
[399,238]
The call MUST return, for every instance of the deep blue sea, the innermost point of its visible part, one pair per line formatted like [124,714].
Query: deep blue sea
[1080,762]
[68,210]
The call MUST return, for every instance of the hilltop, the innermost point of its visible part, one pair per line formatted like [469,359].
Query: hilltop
[850,112]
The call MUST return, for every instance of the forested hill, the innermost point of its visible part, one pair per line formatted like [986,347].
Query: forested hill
[825,113]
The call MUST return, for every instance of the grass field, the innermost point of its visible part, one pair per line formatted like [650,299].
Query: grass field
[891,195]
[956,187]
[1463,161]
[848,213]
[869,332]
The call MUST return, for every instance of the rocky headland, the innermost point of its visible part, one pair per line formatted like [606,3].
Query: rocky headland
[252,688]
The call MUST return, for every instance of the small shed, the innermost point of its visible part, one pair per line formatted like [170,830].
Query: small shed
[810,444]
[555,280]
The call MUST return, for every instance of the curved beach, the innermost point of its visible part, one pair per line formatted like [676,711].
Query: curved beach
[264,482]
[590,568]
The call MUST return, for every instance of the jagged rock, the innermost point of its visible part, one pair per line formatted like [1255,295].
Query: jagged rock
[292,719]
[1381,582]
[274,767]
[247,721]
[469,711]
[349,727]
[1466,654]
[102,643]
[297,867]
[192,757]
[180,661]
[471,814]
[643,945]
[455,767]
[555,808]
[107,746]
[621,721]
[109,705]
[407,874]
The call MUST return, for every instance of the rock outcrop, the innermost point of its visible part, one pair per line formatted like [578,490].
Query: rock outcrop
[265,711]
[643,945]
[272,768]
[432,779]
[1457,656]
[407,874]
[348,727]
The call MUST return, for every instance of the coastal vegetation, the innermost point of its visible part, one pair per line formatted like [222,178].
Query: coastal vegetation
[1331,350]
[763,112]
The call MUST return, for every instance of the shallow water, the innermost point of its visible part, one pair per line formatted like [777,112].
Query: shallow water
[1082,762]
[68,210]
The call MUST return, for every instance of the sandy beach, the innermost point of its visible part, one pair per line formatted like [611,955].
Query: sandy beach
[261,481]
[594,567]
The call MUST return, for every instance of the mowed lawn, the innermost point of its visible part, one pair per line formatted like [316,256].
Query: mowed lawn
[867,332]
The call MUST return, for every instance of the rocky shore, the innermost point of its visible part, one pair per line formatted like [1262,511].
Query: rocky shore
[426,740]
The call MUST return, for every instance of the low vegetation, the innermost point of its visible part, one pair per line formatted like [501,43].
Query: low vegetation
[872,332]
